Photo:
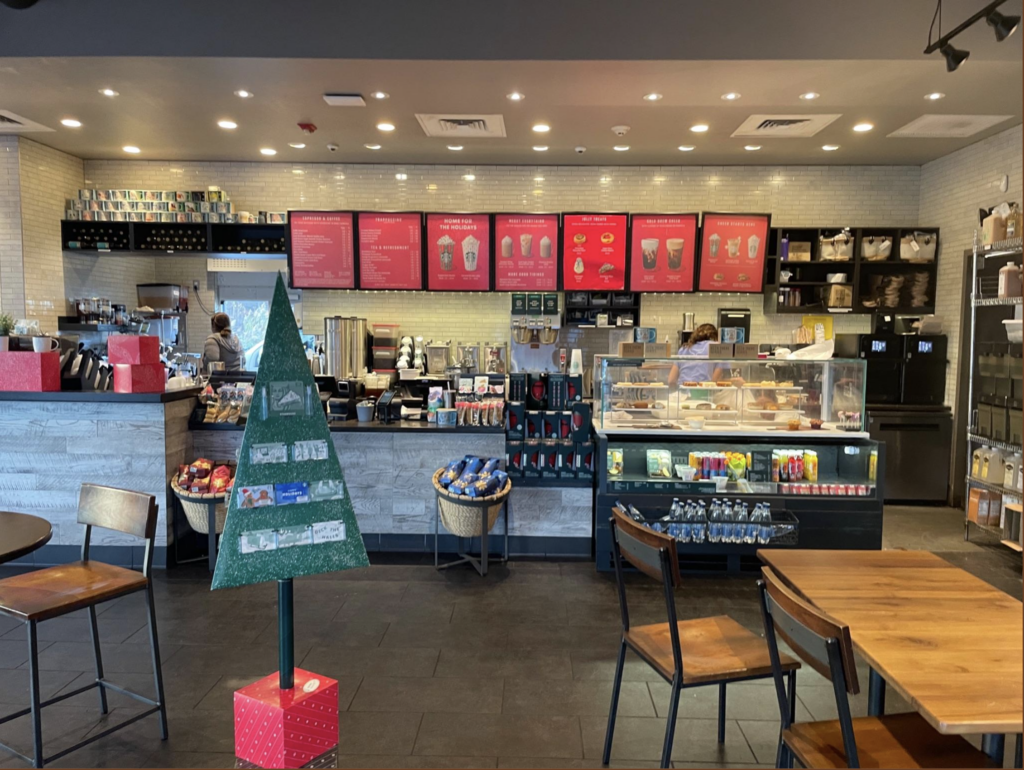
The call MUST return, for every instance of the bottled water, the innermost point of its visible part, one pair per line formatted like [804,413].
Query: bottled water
[741,523]
[765,530]
[753,526]
[728,529]
[715,523]
[699,528]
[685,525]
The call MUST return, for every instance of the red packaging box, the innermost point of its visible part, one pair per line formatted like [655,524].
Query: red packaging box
[132,349]
[564,422]
[286,728]
[549,455]
[574,388]
[139,378]
[582,417]
[36,372]
[566,460]
[535,425]
[515,460]
[533,458]
[585,460]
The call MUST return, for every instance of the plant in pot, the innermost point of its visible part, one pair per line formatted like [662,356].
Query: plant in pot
[6,327]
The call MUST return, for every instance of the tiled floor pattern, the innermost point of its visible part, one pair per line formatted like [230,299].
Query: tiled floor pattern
[435,669]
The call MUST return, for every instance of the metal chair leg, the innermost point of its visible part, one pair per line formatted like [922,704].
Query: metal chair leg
[670,728]
[780,754]
[97,653]
[1017,753]
[721,712]
[158,674]
[791,695]
[33,688]
[613,709]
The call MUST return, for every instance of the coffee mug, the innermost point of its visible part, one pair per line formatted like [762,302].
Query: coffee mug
[45,344]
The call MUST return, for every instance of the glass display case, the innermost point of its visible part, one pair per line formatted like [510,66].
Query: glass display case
[729,395]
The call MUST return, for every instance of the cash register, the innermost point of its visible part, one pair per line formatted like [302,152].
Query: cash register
[339,396]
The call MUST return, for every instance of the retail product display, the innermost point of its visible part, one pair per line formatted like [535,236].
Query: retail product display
[152,206]
[720,522]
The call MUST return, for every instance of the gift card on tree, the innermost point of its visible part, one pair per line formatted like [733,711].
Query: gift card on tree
[255,497]
[291,492]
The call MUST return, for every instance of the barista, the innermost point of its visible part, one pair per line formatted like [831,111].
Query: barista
[222,345]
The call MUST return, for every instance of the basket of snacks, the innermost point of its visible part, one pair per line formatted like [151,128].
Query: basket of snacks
[199,484]
[465,487]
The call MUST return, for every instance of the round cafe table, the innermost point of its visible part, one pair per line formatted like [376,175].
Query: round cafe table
[22,533]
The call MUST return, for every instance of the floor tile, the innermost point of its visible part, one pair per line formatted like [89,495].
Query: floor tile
[529,763]
[373,609]
[14,652]
[340,633]
[696,740]
[221,697]
[413,762]
[509,613]
[505,734]
[77,630]
[63,727]
[429,695]
[444,635]
[117,658]
[574,698]
[205,628]
[370,661]
[188,731]
[14,690]
[600,664]
[523,663]
[562,637]
[376,732]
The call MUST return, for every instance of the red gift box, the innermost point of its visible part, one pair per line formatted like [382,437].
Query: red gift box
[37,372]
[139,378]
[286,728]
[133,349]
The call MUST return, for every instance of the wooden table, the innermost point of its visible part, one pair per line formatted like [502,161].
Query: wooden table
[21,533]
[948,642]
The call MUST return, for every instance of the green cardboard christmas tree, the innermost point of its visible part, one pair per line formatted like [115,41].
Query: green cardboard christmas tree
[290,513]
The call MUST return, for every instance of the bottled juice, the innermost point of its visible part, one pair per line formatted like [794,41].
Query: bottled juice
[810,465]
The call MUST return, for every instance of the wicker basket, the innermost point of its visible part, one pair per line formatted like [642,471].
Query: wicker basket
[461,515]
[196,507]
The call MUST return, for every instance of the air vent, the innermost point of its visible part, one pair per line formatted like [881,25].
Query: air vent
[463,126]
[15,124]
[947,126]
[783,126]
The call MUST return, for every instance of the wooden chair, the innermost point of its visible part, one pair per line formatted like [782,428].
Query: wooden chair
[715,650]
[49,593]
[900,740]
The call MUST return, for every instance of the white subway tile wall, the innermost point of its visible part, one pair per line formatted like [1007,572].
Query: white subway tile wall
[953,188]
[48,177]
[12,275]
[795,195]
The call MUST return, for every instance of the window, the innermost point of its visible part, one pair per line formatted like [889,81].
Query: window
[246,297]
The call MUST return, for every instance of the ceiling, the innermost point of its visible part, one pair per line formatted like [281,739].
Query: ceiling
[863,58]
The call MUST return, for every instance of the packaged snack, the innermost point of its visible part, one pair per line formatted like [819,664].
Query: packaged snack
[451,472]
[458,486]
[659,463]
[487,487]
[614,462]
[435,397]
[201,468]
[473,465]
[491,465]
[219,479]
[736,467]
[199,486]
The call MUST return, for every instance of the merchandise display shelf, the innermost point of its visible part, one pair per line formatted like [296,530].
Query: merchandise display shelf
[978,439]
[999,301]
[1012,545]
[1004,491]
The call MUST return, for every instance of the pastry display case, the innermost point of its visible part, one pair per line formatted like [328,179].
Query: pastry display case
[729,395]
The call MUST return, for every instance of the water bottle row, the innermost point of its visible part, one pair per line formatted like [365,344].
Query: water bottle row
[721,522]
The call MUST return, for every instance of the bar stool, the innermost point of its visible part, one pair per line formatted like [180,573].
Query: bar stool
[899,740]
[718,649]
[49,593]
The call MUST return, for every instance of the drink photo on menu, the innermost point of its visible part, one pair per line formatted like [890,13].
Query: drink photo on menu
[458,252]
[732,252]
[662,249]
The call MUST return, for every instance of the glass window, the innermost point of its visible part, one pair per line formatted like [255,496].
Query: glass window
[249,323]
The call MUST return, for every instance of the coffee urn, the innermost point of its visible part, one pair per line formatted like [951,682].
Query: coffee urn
[345,346]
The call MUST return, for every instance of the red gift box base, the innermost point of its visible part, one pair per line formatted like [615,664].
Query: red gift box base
[133,349]
[23,371]
[286,728]
[140,378]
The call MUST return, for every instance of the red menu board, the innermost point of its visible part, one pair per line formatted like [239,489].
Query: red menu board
[594,252]
[321,250]
[661,251]
[390,251]
[458,252]
[732,252]
[526,252]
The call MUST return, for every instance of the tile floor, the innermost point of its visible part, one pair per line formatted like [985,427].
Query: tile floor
[435,669]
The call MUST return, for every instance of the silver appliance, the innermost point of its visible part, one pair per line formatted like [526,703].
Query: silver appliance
[495,357]
[467,357]
[345,346]
[439,357]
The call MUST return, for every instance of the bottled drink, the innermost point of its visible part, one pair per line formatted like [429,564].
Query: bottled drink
[681,526]
[741,520]
[753,527]
[728,529]
[765,531]
[699,526]
[714,523]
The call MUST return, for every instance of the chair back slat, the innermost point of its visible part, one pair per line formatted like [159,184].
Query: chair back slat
[808,630]
[642,547]
[133,513]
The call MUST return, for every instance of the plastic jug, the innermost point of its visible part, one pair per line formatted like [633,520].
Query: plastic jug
[976,458]
[1010,466]
[1009,281]
[992,466]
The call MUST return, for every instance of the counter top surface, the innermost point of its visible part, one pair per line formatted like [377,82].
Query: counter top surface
[104,397]
[734,431]
[354,426]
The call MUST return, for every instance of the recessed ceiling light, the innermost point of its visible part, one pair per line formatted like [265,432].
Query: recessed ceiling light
[298,171]
[934,97]
[830,147]
[538,179]
[268,151]
[379,95]
[541,128]
[385,126]
[809,96]
[731,96]
[297,145]
[245,94]
[540,148]
[605,179]
[621,147]
[372,146]
[862,127]
[131,149]
[469,177]
[686,148]
[751,147]
[71,123]
[515,96]
[401,177]
[652,97]
[228,124]
[700,128]
[109,92]
[455,147]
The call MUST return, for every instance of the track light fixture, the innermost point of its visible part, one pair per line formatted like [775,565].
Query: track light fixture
[1003,26]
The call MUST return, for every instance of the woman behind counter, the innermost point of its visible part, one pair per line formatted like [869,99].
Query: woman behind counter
[222,345]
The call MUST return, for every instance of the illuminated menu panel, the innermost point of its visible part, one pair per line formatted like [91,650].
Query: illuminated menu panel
[526,252]
[732,252]
[662,251]
[390,251]
[321,250]
[594,252]
[458,252]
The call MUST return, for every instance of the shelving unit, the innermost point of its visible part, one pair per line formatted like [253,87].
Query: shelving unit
[985,313]
[147,238]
